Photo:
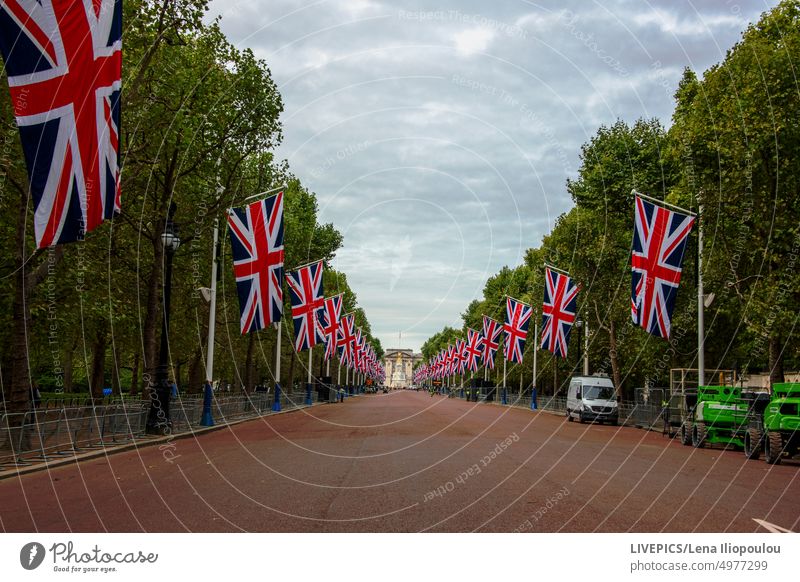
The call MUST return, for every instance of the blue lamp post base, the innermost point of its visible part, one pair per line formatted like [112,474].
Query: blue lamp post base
[207,419]
[276,405]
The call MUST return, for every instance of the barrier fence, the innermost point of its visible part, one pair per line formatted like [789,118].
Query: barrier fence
[51,433]
[647,414]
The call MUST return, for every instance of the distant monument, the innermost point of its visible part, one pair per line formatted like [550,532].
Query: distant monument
[399,365]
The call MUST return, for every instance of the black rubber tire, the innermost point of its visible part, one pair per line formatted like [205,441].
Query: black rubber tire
[699,433]
[581,419]
[569,416]
[686,434]
[773,447]
[752,443]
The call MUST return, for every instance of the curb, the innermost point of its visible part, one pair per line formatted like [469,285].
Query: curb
[106,451]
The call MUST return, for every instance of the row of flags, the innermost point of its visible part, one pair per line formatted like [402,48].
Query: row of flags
[256,232]
[63,61]
[659,243]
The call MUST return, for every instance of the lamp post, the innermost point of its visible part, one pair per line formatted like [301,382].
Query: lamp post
[158,419]
[583,324]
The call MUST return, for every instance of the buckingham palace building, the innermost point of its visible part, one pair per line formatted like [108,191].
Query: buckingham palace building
[399,365]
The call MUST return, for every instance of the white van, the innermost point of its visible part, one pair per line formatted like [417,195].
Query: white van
[592,398]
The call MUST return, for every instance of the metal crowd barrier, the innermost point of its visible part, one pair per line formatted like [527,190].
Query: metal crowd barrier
[47,433]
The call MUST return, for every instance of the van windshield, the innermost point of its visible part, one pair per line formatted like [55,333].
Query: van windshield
[598,393]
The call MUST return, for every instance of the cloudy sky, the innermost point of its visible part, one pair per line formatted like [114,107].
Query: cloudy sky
[438,136]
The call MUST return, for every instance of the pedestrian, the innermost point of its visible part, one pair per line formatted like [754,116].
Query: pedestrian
[173,389]
[341,394]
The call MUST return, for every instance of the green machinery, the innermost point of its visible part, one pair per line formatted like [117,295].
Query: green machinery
[774,424]
[715,415]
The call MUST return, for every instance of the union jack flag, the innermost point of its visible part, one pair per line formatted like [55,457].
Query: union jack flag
[558,311]
[257,247]
[518,316]
[461,356]
[346,339]
[491,340]
[64,65]
[474,348]
[659,242]
[333,313]
[305,290]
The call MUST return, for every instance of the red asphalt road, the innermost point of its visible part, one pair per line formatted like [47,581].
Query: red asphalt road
[372,463]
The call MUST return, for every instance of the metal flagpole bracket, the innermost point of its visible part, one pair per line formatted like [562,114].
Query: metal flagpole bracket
[662,203]
[267,193]
[298,267]
[518,300]
[552,268]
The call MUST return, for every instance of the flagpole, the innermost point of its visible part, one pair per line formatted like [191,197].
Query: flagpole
[309,400]
[208,390]
[276,405]
[701,357]
[503,396]
[535,354]
[212,315]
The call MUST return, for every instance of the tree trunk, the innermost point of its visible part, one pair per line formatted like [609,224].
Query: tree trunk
[134,389]
[97,378]
[290,386]
[775,360]
[196,372]
[152,318]
[116,383]
[612,354]
[18,397]
[69,356]
[248,364]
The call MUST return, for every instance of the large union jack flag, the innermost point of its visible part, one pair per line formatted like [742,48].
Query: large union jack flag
[491,340]
[558,311]
[257,247]
[659,242]
[346,339]
[331,324]
[518,317]
[64,64]
[474,348]
[308,309]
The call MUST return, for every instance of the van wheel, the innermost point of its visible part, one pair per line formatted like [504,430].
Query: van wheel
[752,443]
[699,435]
[773,447]
[580,417]
[569,416]
[686,433]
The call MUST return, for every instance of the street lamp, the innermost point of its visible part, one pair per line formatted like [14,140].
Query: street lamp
[582,324]
[158,420]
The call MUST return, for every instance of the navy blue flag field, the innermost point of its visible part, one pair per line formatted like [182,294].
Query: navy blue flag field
[308,306]
[257,247]
[558,311]
[64,66]
[659,243]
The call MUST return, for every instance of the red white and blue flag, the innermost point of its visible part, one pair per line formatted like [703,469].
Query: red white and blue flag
[474,349]
[515,328]
[659,242]
[491,340]
[461,356]
[305,290]
[558,311]
[256,232]
[346,339]
[332,323]
[63,61]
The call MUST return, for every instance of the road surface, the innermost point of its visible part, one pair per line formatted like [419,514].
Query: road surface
[406,462]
